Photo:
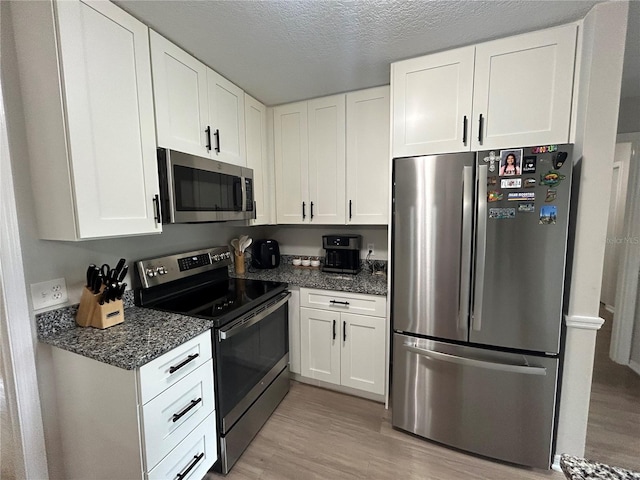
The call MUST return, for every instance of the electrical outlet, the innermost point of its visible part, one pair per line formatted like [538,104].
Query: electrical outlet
[51,292]
[371,249]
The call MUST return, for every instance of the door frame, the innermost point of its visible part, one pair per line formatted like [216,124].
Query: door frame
[629,265]
[16,338]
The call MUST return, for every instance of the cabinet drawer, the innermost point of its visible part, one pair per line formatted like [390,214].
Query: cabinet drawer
[374,305]
[192,457]
[173,414]
[159,374]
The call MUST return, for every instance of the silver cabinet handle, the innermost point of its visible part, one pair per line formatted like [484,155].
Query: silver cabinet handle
[481,248]
[250,319]
[465,260]
[470,362]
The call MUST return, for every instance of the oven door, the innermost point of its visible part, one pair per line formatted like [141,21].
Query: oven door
[250,351]
[197,189]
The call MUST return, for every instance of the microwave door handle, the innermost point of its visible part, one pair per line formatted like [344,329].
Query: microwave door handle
[239,193]
[242,324]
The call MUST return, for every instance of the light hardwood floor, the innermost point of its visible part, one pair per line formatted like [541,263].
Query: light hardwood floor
[320,434]
[613,431]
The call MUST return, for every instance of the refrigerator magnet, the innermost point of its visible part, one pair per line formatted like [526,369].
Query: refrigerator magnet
[502,213]
[491,181]
[529,182]
[521,196]
[510,162]
[491,159]
[552,178]
[558,159]
[529,164]
[548,214]
[494,196]
[544,149]
[551,195]
[511,183]
[527,207]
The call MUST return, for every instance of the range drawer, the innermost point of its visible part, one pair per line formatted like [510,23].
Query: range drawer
[172,415]
[159,374]
[193,457]
[374,305]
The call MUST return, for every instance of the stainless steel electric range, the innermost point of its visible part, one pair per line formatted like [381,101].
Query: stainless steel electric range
[250,337]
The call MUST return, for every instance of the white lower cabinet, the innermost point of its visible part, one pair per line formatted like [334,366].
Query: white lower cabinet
[154,422]
[340,347]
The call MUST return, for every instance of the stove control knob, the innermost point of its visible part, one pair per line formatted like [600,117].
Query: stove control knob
[216,258]
[161,270]
[150,272]
[227,255]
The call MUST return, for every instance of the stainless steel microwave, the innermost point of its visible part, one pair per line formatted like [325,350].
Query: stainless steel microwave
[196,189]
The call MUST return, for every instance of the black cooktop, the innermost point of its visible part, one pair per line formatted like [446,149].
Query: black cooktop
[222,300]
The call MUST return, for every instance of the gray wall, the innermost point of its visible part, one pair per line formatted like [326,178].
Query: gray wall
[629,116]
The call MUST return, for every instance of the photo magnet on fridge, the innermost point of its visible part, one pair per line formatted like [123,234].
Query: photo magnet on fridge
[510,162]
[502,213]
[511,183]
[491,181]
[529,182]
[521,196]
[548,215]
[529,164]
[527,207]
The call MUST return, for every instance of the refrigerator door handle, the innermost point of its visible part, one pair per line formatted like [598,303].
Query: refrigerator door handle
[465,257]
[481,248]
[471,362]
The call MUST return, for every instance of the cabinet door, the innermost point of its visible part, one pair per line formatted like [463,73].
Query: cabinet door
[327,160]
[291,149]
[320,345]
[226,118]
[180,93]
[523,88]
[368,157]
[255,115]
[363,351]
[432,98]
[111,136]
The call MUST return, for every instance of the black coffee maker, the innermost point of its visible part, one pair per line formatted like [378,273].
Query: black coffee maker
[342,253]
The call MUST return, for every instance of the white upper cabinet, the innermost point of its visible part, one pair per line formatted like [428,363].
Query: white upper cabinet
[180,92]
[368,157]
[326,123]
[197,110]
[523,88]
[226,118]
[291,149]
[255,114]
[432,103]
[504,93]
[87,93]
[332,159]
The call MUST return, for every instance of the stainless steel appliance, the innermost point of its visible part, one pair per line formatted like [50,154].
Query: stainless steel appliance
[342,253]
[265,254]
[196,189]
[250,335]
[479,244]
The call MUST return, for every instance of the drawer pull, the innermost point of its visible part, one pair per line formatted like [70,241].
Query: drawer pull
[190,358]
[336,302]
[178,416]
[196,459]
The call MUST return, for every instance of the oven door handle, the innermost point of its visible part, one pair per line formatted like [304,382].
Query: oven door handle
[247,321]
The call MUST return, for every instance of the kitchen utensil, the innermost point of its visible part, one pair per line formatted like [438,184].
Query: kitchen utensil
[123,273]
[235,245]
[120,265]
[97,281]
[243,242]
[90,271]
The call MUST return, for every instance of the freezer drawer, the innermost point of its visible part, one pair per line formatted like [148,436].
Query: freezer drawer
[496,404]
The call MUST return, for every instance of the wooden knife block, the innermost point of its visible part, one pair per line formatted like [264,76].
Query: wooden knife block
[92,314]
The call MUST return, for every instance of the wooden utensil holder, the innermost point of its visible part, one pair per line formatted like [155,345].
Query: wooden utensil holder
[239,262]
[92,314]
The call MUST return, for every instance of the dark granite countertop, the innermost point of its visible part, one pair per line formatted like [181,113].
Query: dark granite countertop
[576,468]
[144,335]
[363,282]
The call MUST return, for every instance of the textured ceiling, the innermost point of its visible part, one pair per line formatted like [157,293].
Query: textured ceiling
[282,51]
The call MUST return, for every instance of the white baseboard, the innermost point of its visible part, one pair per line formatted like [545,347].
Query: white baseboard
[556,463]
[635,366]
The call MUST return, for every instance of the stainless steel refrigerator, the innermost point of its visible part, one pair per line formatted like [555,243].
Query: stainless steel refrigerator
[479,247]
